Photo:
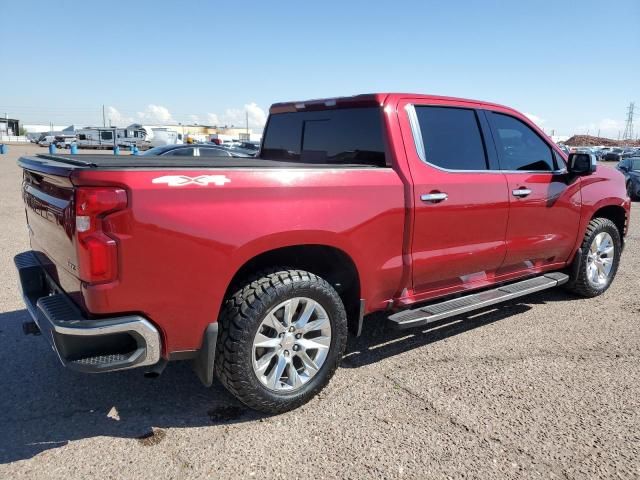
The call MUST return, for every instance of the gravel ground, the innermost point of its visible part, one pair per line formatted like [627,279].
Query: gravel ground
[547,387]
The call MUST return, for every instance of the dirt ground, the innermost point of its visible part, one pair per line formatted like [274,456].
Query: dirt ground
[544,387]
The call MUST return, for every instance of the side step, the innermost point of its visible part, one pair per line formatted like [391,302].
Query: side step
[438,311]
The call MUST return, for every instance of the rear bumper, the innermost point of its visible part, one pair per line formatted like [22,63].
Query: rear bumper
[82,344]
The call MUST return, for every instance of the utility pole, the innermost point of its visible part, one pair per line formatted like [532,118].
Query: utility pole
[598,133]
[104,121]
[246,112]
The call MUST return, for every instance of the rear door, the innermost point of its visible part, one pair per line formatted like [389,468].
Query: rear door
[461,201]
[544,203]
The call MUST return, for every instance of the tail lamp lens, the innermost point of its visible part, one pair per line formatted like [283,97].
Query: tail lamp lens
[97,251]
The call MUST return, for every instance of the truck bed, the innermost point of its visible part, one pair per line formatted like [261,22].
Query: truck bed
[57,163]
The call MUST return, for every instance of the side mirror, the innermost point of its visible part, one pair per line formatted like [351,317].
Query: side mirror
[582,163]
[622,167]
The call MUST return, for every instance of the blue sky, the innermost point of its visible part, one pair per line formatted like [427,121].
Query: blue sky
[574,65]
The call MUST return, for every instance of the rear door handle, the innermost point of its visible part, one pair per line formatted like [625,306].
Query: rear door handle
[434,197]
[521,192]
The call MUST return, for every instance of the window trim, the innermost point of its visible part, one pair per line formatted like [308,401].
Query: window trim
[419,144]
[554,153]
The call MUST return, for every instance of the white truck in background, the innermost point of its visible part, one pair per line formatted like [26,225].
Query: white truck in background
[160,136]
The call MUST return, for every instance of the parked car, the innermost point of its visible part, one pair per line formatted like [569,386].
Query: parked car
[629,152]
[64,141]
[630,167]
[564,148]
[615,155]
[258,268]
[192,150]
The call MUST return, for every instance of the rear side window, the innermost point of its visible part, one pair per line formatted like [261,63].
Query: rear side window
[342,136]
[519,147]
[213,152]
[451,138]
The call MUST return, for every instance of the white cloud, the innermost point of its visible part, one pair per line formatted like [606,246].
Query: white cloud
[115,118]
[535,119]
[156,114]
[238,116]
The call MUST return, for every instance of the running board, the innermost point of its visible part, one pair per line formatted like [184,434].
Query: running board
[438,311]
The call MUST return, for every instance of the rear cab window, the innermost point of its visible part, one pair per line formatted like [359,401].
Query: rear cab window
[451,138]
[346,136]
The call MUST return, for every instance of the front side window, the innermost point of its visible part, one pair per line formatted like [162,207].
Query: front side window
[341,136]
[519,147]
[451,138]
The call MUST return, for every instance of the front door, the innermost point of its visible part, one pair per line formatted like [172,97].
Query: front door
[461,203]
[545,203]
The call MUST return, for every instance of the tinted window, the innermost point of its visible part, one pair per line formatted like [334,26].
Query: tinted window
[451,138]
[519,147]
[213,152]
[106,135]
[635,164]
[180,152]
[343,136]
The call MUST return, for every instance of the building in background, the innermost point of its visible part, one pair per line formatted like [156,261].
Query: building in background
[9,127]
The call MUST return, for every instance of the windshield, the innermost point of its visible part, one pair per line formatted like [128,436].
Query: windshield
[343,136]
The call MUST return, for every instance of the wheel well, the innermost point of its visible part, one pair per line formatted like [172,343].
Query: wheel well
[330,263]
[616,214]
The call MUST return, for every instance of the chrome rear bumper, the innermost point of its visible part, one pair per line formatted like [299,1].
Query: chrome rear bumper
[83,344]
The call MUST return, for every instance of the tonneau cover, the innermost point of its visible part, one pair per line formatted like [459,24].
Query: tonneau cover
[119,162]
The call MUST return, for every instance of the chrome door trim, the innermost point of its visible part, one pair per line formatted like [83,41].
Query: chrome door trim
[420,150]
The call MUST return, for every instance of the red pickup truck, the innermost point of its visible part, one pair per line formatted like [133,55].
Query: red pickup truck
[257,269]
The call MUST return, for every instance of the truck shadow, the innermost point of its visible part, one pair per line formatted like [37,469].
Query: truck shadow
[45,406]
[378,341]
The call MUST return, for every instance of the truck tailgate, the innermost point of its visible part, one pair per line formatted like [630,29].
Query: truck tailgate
[48,202]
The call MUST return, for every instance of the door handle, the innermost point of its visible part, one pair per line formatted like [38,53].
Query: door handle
[434,197]
[521,192]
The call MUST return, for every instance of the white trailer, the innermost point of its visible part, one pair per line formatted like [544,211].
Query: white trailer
[108,137]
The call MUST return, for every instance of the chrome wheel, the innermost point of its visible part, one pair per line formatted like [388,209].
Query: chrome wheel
[600,260]
[291,344]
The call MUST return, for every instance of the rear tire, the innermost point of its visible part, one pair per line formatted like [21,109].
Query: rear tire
[247,321]
[599,259]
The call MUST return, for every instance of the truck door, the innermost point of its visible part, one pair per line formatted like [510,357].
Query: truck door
[545,203]
[460,198]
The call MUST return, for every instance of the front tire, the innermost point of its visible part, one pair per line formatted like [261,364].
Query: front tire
[599,259]
[282,337]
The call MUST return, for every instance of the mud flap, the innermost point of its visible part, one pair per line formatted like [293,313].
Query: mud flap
[203,363]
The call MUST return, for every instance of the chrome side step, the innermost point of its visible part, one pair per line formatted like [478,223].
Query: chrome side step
[438,311]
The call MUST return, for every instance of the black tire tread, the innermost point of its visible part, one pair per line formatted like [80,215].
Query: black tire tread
[579,284]
[241,310]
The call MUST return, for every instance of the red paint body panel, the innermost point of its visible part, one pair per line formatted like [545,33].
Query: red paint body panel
[179,247]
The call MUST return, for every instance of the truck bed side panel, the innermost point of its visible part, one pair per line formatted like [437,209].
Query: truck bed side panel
[182,241]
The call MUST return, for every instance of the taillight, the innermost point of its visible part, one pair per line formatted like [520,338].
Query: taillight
[97,252]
